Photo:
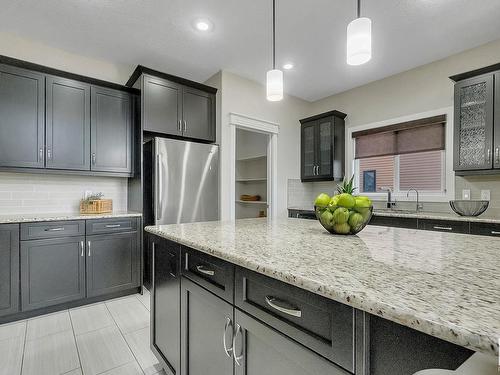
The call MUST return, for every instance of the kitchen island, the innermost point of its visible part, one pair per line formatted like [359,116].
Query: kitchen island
[442,284]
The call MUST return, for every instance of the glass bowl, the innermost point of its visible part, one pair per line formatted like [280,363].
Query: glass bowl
[469,208]
[344,221]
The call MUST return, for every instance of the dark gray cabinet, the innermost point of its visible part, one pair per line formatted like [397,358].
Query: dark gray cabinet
[197,114]
[162,106]
[473,132]
[111,131]
[22,122]
[52,271]
[166,307]
[206,332]
[174,109]
[67,127]
[259,350]
[496,120]
[322,147]
[113,263]
[9,269]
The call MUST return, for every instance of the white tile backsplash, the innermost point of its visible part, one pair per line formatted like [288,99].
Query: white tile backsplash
[49,193]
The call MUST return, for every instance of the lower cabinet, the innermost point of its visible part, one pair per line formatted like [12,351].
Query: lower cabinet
[206,332]
[52,271]
[165,306]
[9,269]
[259,350]
[113,263]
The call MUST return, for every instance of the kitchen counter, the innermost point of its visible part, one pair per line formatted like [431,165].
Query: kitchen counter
[424,215]
[442,284]
[30,218]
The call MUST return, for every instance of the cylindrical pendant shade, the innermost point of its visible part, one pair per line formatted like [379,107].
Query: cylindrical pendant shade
[274,85]
[359,41]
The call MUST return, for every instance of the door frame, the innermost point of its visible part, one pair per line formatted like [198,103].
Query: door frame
[271,129]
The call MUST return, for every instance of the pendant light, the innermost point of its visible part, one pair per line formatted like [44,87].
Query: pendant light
[359,39]
[274,77]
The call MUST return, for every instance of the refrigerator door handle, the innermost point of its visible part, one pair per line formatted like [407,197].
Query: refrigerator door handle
[159,187]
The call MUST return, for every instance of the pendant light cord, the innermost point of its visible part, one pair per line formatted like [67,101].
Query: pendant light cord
[359,8]
[274,34]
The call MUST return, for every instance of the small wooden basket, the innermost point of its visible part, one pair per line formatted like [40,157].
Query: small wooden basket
[100,206]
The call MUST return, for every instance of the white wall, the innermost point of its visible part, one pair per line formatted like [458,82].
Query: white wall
[22,193]
[246,97]
[38,53]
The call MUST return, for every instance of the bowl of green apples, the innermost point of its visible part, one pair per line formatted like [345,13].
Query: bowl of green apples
[343,213]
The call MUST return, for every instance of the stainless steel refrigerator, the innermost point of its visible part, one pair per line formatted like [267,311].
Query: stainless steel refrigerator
[181,181]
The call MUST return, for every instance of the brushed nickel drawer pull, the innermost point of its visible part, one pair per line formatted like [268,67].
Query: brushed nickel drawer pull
[202,269]
[81,247]
[237,358]
[229,351]
[88,245]
[113,225]
[495,232]
[54,229]
[271,301]
[442,228]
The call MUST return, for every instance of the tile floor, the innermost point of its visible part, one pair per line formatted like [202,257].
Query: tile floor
[107,338]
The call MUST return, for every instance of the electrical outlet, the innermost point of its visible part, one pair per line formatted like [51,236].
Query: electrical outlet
[485,195]
[466,194]
[87,194]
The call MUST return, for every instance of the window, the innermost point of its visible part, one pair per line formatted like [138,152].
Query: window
[402,156]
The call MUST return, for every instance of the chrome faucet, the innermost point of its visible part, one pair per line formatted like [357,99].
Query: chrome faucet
[419,205]
[390,203]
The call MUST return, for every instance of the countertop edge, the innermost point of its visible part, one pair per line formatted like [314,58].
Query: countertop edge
[454,334]
[19,219]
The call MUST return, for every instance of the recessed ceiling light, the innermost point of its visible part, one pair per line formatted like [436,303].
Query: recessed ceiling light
[203,24]
[288,66]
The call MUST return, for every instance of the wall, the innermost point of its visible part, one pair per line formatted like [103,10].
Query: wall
[418,90]
[246,97]
[36,193]
[45,193]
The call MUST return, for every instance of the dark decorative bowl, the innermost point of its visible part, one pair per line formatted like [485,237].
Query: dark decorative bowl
[469,208]
[355,224]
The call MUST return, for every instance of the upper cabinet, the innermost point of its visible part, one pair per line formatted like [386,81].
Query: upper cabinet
[477,122]
[67,127]
[323,147]
[22,122]
[111,131]
[62,124]
[174,106]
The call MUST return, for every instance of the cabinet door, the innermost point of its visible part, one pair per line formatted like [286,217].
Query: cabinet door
[259,350]
[111,129]
[325,148]
[68,124]
[166,304]
[162,106]
[9,269]
[474,124]
[52,271]
[308,150]
[496,121]
[197,115]
[22,121]
[206,332]
[113,263]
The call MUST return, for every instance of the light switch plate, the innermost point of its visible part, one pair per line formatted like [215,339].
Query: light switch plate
[466,194]
[485,195]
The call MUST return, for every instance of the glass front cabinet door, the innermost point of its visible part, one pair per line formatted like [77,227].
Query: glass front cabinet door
[474,124]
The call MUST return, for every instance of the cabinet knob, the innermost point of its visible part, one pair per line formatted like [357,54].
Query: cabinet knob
[40,154]
[93,158]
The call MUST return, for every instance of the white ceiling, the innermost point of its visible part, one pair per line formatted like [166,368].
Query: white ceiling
[311,33]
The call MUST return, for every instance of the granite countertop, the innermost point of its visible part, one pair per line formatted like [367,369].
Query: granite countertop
[29,218]
[424,215]
[443,284]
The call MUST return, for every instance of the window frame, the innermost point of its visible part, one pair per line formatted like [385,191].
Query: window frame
[448,175]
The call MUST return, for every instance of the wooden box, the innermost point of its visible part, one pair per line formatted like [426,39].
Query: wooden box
[100,206]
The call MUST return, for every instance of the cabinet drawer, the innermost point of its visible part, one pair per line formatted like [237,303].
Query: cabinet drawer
[128,224]
[325,326]
[396,222]
[52,229]
[444,225]
[211,273]
[485,229]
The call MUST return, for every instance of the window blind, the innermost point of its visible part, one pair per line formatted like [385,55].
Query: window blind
[426,134]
